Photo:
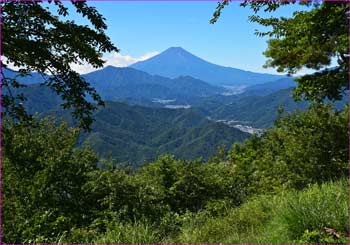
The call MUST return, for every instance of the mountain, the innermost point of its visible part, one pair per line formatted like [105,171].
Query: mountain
[254,110]
[32,78]
[114,83]
[270,87]
[249,109]
[131,85]
[38,98]
[176,61]
[259,111]
[137,134]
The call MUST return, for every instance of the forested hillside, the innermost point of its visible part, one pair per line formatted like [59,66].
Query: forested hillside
[77,169]
[254,110]
[115,83]
[137,135]
[257,192]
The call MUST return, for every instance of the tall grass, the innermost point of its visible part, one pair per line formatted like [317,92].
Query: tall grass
[317,208]
[133,233]
[288,217]
[284,218]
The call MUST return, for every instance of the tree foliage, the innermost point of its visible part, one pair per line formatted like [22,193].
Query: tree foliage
[36,39]
[309,39]
[43,178]
[53,190]
[303,148]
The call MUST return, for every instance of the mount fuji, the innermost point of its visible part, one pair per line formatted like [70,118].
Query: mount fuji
[176,61]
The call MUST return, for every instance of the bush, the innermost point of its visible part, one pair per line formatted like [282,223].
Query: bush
[315,209]
[304,148]
[44,174]
[283,218]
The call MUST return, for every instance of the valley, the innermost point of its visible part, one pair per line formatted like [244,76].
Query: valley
[148,115]
[174,122]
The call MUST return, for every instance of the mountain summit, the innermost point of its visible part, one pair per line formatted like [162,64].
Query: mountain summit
[176,61]
[178,53]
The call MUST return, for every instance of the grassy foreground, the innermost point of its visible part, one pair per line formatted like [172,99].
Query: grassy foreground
[318,214]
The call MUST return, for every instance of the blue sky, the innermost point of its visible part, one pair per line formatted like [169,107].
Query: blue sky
[144,28]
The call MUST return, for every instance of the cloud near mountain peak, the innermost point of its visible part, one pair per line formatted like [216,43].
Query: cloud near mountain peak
[114,59]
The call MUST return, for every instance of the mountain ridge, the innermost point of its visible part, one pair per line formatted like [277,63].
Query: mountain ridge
[176,61]
[125,83]
[138,134]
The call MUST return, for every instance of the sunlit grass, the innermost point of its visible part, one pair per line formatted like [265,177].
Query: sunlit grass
[283,218]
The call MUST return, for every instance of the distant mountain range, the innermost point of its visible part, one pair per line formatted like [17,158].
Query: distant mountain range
[123,84]
[257,105]
[137,134]
[32,78]
[270,87]
[248,108]
[176,61]
[258,111]
[114,84]
[186,86]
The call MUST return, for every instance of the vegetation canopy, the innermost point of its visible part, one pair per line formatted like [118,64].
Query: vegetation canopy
[54,192]
[287,185]
[36,39]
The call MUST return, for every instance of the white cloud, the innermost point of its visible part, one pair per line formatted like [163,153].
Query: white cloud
[114,59]
[9,65]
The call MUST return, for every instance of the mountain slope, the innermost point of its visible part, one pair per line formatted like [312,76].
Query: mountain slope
[256,111]
[128,84]
[138,134]
[176,61]
[114,83]
[32,78]
[270,87]
[261,111]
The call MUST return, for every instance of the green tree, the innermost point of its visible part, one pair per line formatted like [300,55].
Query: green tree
[304,148]
[36,39]
[309,39]
[191,185]
[43,179]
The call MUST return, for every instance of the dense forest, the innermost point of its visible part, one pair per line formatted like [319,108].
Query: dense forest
[287,185]
[259,191]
